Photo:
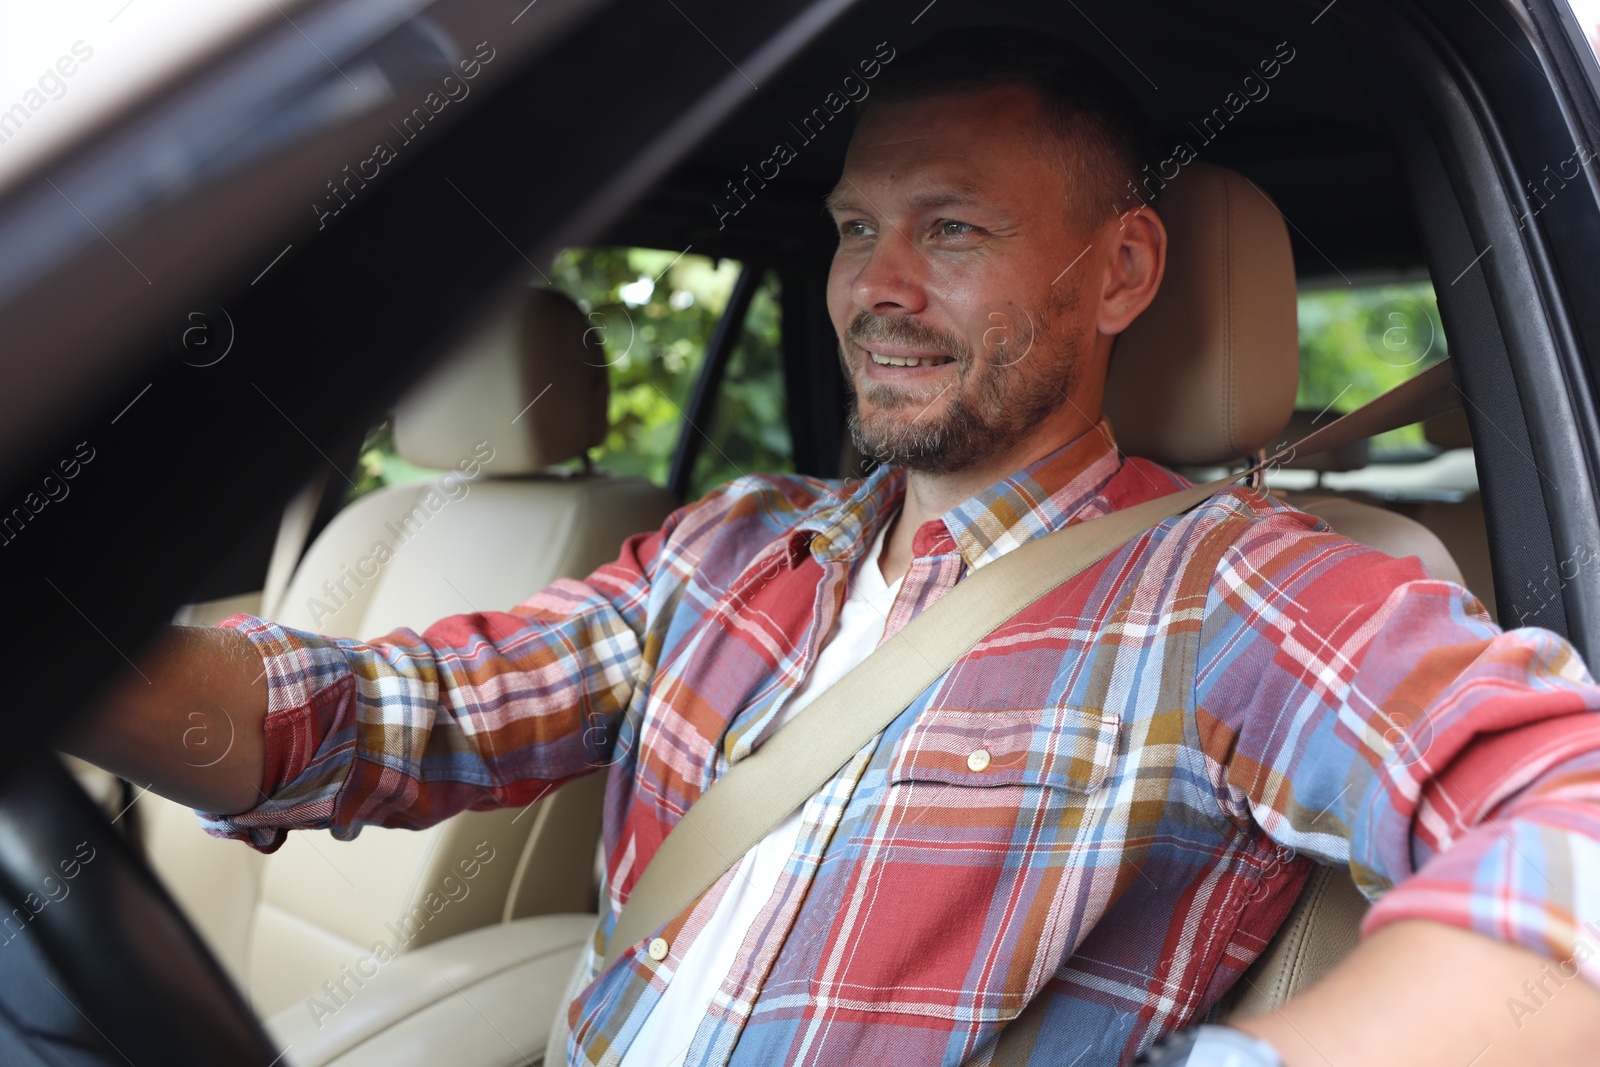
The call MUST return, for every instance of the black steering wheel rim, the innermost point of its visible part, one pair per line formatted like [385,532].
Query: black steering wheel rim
[128,960]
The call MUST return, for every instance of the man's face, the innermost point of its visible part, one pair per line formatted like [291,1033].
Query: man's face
[960,320]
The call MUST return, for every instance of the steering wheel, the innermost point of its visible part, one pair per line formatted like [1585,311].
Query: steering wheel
[89,918]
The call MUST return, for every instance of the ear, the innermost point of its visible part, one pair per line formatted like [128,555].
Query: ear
[1136,259]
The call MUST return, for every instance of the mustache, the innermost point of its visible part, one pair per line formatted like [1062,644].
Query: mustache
[867,328]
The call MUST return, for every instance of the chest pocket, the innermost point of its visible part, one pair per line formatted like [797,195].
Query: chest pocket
[1066,747]
[973,878]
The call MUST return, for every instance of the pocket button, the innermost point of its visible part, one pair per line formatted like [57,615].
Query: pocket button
[979,760]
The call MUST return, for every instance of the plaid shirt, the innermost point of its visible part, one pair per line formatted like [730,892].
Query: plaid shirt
[1175,736]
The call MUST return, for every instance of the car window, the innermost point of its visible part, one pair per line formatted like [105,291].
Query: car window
[749,431]
[654,312]
[1356,342]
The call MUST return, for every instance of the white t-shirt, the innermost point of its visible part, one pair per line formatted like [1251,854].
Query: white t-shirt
[669,1029]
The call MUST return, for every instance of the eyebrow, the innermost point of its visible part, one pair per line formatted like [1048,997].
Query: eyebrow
[957,194]
[836,201]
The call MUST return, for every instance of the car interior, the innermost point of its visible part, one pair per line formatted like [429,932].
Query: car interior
[1388,147]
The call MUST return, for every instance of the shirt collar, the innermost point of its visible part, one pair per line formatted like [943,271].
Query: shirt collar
[1042,497]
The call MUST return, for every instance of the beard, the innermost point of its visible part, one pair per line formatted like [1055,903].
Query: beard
[993,403]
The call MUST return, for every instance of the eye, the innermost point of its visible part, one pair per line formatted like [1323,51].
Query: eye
[854,228]
[952,228]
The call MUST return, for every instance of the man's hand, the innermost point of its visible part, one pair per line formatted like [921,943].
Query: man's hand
[1421,994]
[188,724]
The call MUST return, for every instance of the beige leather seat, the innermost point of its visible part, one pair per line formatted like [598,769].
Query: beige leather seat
[1460,525]
[1351,514]
[1208,375]
[525,394]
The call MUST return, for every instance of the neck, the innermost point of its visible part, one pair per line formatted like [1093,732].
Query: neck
[930,494]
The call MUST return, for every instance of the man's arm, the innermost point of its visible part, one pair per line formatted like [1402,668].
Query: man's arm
[1420,993]
[268,728]
[189,723]
[1370,717]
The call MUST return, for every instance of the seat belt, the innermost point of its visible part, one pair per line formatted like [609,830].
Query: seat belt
[763,789]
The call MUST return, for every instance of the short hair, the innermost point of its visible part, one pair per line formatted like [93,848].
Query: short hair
[1103,135]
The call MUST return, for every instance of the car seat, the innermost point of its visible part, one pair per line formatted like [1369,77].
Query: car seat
[527,392]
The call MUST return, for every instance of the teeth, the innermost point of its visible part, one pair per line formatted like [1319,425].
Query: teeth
[897,361]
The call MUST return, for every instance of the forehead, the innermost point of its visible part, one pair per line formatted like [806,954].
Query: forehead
[989,144]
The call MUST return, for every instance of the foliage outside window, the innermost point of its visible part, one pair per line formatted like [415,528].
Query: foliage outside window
[1356,343]
[654,313]
[749,433]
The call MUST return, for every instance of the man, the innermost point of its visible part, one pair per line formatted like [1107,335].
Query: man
[1077,839]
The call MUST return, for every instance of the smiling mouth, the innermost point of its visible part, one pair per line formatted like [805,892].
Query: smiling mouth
[912,361]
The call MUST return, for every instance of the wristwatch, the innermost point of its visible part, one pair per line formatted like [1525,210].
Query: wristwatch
[1210,1046]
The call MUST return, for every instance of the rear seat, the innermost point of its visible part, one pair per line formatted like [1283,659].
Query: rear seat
[311,913]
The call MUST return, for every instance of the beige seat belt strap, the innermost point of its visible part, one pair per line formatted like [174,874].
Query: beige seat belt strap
[761,790]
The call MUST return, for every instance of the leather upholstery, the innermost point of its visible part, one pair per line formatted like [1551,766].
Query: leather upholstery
[1462,528]
[1208,372]
[286,923]
[1321,929]
[1385,530]
[484,999]
[548,356]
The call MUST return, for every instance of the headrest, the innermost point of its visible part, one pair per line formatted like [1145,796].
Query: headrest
[1208,373]
[532,383]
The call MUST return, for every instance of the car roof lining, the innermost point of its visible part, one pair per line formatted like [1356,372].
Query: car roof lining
[1316,142]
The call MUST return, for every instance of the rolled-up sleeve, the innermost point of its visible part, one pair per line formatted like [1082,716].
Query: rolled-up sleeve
[1366,715]
[482,710]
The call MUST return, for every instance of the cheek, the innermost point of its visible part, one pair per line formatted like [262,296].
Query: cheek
[840,306]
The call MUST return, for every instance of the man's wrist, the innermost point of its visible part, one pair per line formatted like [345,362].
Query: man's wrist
[1210,1046]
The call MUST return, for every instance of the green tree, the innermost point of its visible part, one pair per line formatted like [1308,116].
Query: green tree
[1358,343]
[654,312]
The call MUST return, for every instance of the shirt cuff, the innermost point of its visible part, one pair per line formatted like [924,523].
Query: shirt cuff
[310,701]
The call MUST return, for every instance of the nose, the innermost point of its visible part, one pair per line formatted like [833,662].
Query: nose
[893,278]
